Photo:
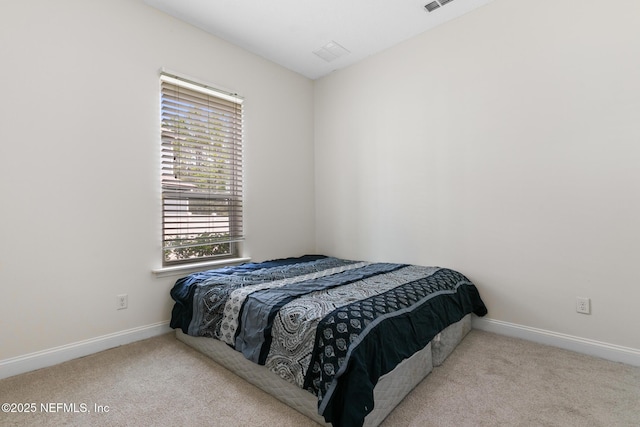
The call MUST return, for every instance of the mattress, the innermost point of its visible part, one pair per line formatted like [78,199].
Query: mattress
[388,392]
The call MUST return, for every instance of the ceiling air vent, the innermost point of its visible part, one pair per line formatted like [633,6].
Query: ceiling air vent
[331,51]
[432,6]
[436,4]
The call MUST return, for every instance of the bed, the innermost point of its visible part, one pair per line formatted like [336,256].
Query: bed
[341,341]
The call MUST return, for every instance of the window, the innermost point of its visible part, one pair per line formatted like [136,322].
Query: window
[201,172]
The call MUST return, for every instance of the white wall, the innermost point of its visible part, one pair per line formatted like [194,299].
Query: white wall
[505,144]
[79,174]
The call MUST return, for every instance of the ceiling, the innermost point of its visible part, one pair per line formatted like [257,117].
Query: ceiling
[288,32]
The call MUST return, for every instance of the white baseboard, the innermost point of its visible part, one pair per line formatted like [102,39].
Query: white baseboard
[53,356]
[603,350]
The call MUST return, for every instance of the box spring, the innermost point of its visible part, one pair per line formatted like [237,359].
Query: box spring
[388,393]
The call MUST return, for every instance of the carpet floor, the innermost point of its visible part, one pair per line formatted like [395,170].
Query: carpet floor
[489,380]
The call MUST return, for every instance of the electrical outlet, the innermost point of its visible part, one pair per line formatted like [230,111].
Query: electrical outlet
[583,305]
[122,301]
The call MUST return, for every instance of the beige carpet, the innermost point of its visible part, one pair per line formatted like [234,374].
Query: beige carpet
[490,380]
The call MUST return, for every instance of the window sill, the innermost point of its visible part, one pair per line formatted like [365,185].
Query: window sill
[182,270]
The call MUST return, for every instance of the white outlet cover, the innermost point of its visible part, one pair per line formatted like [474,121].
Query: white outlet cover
[122,301]
[583,305]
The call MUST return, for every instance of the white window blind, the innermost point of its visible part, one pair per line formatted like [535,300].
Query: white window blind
[201,171]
